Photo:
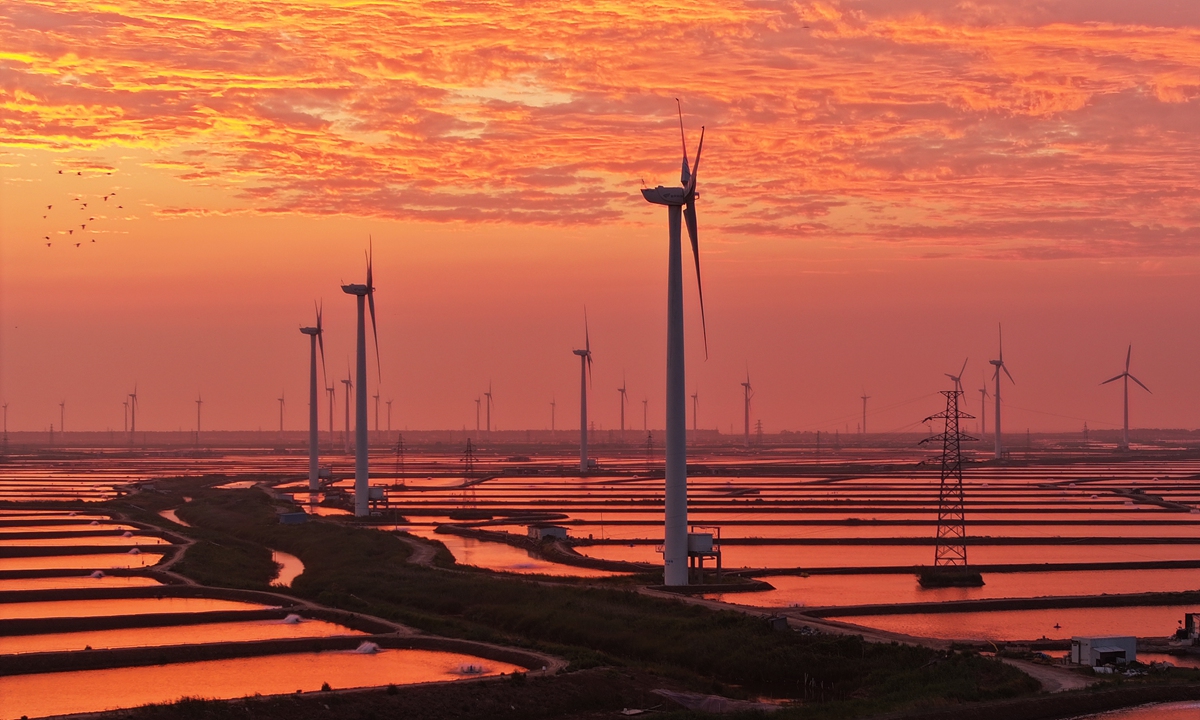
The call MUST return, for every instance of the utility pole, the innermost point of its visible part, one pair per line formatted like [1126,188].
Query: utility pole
[951,548]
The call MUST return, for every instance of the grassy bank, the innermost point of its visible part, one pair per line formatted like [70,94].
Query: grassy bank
[728,652]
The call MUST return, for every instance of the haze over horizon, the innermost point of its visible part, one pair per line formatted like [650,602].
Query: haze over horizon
[884,183]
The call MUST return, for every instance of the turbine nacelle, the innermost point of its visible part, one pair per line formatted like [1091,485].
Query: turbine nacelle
[671,196]
[356,289]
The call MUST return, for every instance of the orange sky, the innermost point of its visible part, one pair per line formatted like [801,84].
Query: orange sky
[882,183]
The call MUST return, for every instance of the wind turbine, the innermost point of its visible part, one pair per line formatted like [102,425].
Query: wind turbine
[552,404]
[957,379]
[376,396]
[316,338]
[695,408]
[488,409]
[1126,377]
[747,393]
[281,403]
[865,398]
[62,418]
[645,415]
[389,414]
[199,402]
[999,364]
[365,295]
[349,383]
[621,390]
[6,423]
[681,207]
[478,400]
[125,405]
[332,390]
[133,403]
[585,374]
[983,396]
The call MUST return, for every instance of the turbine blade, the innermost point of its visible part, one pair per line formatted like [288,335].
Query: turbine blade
[371,303]
[684,175]
[1139,382]
[963,369]
[1128,354]
[689,214]
[321,344]
[1111,379]
[589,364]
[690,187]
[1006,372]
[587,338]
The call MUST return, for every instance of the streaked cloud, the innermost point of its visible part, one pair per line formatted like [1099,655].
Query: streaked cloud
[993,129]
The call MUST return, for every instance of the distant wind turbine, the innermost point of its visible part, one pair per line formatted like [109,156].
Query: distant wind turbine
[621,390]
[349,383]
[281,403]
[1126,377]
[865,398]
[957,379]
[478,400]
[62,417]
[983,396]
[585,375]
[199,402]
[389,415]
[376,396]
[133,404]
[999,364]
[365,295]
[316,338]
[695,408]
[552,404]
[488,407]
[332,390]
[681,208]
[747,393]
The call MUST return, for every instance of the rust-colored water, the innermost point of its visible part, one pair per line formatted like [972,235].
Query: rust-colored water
[98,690]
[76,581]
[290,568]
[123,606]
[81,562]
[172,635]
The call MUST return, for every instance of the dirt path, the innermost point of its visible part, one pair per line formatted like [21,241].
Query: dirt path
[1053,679]
[422,552]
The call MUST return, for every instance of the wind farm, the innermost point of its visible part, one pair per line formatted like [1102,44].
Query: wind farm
[843,533]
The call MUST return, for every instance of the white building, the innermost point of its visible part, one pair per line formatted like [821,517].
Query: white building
[1095,651]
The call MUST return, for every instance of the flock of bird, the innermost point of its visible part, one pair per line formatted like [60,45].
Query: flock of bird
[82,216]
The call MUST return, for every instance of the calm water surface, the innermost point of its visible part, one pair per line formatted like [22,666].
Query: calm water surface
[290,568]
[123,606]
[174,635]
[505,558]
[97,690]
[76,581]
[835,590]
[1033,624]
[1163,711]
[103,561]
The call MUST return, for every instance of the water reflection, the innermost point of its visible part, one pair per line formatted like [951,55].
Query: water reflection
[1033,624]
[76,581]
[102,561]
[505,558]
[1162,711]
[290,568]
[172,635]
[123,606]
[98,690]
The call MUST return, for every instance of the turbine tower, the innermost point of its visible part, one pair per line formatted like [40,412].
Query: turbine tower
[865,398]
[747,393]
[1126,377]
[999,364]
[133,403]
[199,402]
[488,408]
[623,398]
[681,208]
[478,400]
[389,415]
[376,396]
[585,374]
[349,383]
[983,396]
[316,338]
[552,404]
[332,390]
[695,408]
[281,403]
[62,418]
[364,295]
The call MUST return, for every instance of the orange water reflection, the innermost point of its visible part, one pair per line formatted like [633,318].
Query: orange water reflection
[173,635]
[103,561]
[76,581]
[97,690]
[124,606]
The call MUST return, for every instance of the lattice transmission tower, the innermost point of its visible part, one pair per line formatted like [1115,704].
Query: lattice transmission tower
[952,525]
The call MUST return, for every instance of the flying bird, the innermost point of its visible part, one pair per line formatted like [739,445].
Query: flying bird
[70,232]
[83,227]
[47,244]
[76,244]
[85,204]
[49,206]
[60,172]
[78,173]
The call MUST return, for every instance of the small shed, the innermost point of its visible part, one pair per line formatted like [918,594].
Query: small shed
[540,532]
[1191,624]
[1108,650]
[293,518]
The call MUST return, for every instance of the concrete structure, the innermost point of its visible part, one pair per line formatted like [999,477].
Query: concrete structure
[1094,651]
[538,533]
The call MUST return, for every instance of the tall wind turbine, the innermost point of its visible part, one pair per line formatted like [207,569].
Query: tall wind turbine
[645,415]
[125,405]
[5,423]
[681,208]
[376,396]
[281,403]
[62,417]
[365,295]
[488,409]
[332,390]
[389,415]
[199,402]
[621,390]
[865,398]
[747,393]
[695,408]
[478,400]
[999,364]
[957,379]
[316,338]
[552,404]
[585,374]
[1126,377]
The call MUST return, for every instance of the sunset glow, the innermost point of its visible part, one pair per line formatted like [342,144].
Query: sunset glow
[874,173]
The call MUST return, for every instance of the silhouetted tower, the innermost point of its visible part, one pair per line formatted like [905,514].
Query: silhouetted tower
[951,548]
[469,458]
[695,409]
[863,428]
[747,393]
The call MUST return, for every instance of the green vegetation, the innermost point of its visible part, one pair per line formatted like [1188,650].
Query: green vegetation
[725,652]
